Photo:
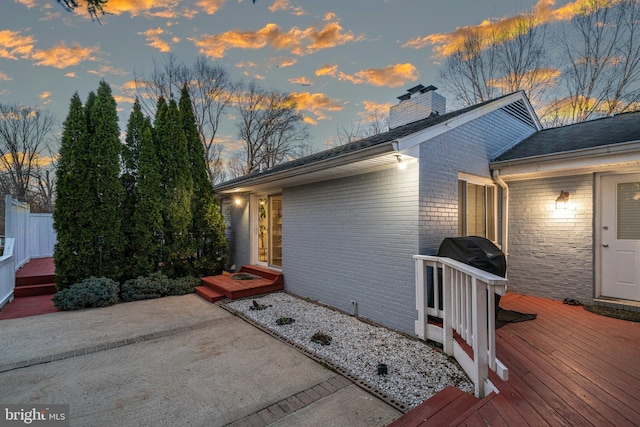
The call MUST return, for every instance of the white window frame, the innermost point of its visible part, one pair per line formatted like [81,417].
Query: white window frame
[491,206]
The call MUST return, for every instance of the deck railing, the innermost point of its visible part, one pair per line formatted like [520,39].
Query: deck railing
[456,302]
[7,272]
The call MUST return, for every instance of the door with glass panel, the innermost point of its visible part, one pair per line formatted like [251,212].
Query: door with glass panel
[620,237]
[269,242]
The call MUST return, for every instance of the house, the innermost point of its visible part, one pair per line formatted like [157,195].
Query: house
[343,224]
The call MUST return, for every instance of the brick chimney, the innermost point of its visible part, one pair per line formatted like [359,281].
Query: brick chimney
[418,103]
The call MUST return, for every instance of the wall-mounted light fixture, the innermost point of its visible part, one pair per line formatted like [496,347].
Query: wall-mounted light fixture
[401,163]
[562,202]
[237,201]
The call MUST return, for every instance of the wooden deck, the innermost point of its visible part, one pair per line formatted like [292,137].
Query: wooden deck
[569,367]
[215,288]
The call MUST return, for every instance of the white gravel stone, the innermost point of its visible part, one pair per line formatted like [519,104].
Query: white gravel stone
[416,370]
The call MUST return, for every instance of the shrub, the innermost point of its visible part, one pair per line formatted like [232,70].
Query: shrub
[91,292]
[183,286]
[155,285]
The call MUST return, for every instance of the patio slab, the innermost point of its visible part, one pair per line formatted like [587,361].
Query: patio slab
[172,361]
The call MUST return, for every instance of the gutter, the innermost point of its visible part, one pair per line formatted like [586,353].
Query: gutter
[505,210]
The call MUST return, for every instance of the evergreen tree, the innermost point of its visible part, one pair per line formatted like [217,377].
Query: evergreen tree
[147,232]
[73,248]
[104,182]
[207,224]
[176,187]
[130,169]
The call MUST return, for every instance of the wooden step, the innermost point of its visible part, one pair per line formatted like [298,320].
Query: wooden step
[233,289]
[41,279]
[33,290]
[266,273]
[209,294]
[439,410]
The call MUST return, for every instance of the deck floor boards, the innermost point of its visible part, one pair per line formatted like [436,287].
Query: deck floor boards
[567,367]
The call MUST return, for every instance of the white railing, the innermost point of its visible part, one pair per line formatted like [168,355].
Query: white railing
[462,298]
[7,272]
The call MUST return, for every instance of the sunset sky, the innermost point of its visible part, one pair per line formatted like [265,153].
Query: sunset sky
[341,59]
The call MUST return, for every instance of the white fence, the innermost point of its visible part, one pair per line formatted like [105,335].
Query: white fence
[33,233]
[7,272]
[463,298]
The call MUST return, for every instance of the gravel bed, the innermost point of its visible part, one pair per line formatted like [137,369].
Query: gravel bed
[416,370]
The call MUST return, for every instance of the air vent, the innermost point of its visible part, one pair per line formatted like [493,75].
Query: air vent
[519,110]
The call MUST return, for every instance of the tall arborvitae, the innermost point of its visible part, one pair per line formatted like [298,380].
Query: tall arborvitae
[147,236]
[130,165]
[74,246]
[207,225]
[105,185]
[176,186]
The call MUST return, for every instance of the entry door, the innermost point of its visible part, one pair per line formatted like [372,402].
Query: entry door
[620,237]
[269,241]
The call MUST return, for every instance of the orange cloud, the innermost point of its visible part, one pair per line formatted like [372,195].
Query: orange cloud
[374,110]
[71,74]
[503,29]
[28,3]
[3,76]
[287,62]
[13,45]
[546,76]
[329,16]
[210,6]
[279,5]
[390,76]
[108,69]
[61,56]
[297,41]
[327,70]
[44,95]
[316,103]
[122,99]
[300,81]
[152,35]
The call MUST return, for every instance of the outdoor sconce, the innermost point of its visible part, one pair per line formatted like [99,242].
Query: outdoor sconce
[238,201]
[401,164]
[562,202]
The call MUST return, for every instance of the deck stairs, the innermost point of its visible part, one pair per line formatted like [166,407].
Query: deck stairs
[36,277]
[253,280]
[449,407]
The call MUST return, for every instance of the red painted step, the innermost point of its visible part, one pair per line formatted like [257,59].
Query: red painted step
[33,290]
[439,410]
[209,294]
[268,281]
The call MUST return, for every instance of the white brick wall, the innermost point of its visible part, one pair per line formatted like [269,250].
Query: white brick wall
[353,239]
[551,251]
[467,149]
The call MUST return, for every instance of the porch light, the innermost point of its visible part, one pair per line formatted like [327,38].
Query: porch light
[237,201]
[401,164]
[562,202]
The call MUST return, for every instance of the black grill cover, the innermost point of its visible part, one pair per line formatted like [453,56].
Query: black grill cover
[475,251]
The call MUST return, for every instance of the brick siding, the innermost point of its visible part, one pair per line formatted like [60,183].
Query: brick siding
[551,251]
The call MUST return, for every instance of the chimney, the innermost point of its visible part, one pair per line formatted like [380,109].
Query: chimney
[418,103]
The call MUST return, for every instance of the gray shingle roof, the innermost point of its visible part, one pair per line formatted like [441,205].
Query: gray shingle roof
[352,147]
[617,129]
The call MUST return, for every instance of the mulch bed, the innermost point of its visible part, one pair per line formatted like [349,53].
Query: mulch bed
[633,316]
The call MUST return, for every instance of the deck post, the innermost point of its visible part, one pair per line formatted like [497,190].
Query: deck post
[421,302]
[480,345]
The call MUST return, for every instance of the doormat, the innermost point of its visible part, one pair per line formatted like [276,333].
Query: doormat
[616,313]
[509,316]
[245,276]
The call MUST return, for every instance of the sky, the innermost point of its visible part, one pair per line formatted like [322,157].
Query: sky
[340,59]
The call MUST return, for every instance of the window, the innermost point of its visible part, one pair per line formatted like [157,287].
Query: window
[476,207]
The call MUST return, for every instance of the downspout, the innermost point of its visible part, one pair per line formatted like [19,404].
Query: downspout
[505,210]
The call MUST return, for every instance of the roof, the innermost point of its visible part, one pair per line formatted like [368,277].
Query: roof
[376,145]
[617,129]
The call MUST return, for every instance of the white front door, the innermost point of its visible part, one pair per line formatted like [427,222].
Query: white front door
[620,236]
